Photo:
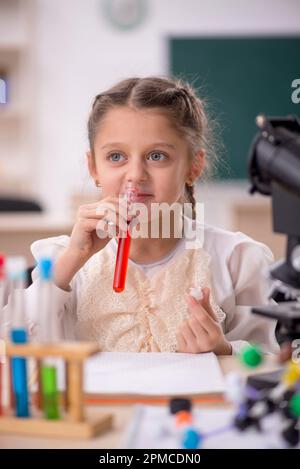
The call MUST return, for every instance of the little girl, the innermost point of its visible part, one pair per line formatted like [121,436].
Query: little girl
[151,133]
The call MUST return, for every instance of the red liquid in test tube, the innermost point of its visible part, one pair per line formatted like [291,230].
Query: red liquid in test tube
[122,254]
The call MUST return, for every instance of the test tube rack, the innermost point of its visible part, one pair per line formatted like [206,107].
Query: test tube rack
[75,424]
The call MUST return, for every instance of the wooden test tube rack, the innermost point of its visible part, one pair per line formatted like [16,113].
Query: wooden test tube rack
[75,424]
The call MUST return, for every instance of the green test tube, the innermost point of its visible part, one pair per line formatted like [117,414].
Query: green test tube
[48,334]
[49,391]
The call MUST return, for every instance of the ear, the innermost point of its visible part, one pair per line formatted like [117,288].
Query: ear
[91,165]
[197,166]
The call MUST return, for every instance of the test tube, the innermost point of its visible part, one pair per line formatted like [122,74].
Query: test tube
[48,334]
[123,251]
[6,387]
[2,326]
[16,271]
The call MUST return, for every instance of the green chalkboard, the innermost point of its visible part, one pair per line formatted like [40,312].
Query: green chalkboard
[241,77]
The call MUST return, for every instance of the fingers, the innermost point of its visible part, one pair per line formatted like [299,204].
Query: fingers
[202,307]
[203,322]
[181,343]
[118,215]
[108,211]
[88,224]
[201,332]
[189,338]
[111,220]
[198,330]
[202,317]
[108,226]
[205,302]
[192,337]
[101,208]
[112,200]
[117,202]
[206,338]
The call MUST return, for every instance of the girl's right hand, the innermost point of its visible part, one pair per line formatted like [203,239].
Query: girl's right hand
[84,240]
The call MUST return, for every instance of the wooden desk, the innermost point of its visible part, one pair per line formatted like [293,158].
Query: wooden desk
[122,415]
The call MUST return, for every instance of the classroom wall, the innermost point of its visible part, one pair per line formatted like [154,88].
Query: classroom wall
[77,53]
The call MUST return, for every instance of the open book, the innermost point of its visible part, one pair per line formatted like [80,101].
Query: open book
[153,374]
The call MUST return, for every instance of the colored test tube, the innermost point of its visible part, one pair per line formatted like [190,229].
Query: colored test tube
[2,286]
[19,376]
[16,271]
[50,392]
[6,388]
[48,333]
[121,263]
[123,253]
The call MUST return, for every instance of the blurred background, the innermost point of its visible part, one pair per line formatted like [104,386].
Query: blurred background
[56,55]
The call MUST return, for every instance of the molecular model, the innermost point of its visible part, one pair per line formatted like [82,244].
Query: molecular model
[283,399]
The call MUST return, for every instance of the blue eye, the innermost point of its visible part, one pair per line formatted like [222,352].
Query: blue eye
[156,156]
[115,157]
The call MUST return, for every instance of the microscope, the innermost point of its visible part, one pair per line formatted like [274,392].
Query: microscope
[274,170]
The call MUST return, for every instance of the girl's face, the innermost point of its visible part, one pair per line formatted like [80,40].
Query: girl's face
[143,148]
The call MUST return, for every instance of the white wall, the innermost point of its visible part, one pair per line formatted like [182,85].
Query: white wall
[78,54]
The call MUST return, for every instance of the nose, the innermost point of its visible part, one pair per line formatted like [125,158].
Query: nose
[136,172]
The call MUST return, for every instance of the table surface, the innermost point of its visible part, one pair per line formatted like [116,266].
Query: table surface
[121,416]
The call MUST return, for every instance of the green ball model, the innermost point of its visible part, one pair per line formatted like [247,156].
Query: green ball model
[295,405]
[251,356]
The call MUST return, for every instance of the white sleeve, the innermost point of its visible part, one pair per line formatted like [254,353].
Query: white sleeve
[248,265]
[64,302]
[62,308]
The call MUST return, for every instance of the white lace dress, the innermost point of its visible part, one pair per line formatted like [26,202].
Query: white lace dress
[146,316]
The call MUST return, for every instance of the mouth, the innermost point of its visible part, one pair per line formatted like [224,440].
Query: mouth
[139,196]
[133,194]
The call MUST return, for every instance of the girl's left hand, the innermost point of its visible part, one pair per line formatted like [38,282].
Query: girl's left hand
[202,332]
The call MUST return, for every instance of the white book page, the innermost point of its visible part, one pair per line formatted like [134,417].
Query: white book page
[153,374]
